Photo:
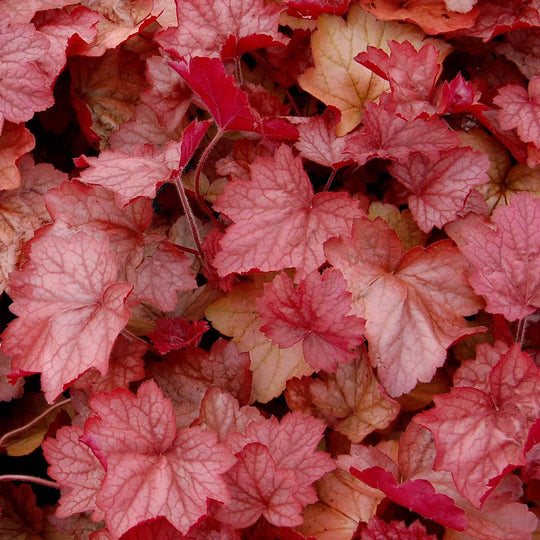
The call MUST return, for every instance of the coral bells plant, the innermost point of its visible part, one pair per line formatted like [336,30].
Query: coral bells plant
[270,270]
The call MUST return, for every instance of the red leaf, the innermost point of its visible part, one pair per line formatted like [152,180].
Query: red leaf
[314,8]
[440,185]
[70,310]
[228,28]
[504,254]
[177,333]
[228,105]
[480,435]
[279,221]
[76,469]
[389,136]
[413,301]
[315,313]
[136,437]
[417,495]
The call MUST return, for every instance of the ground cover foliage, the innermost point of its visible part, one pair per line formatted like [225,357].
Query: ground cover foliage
[270,270]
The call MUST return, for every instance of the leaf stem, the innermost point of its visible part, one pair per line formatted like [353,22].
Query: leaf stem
[520,331]
[14,432]
[27,478]
[190,217]
[198,171]
[330,179]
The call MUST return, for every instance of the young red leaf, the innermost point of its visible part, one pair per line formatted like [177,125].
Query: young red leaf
[389,136]
[70,310]
[76,469]
[24,87]
[177,333]
[480,435]
[315,313]
[417,495]
[504,254]
[440,185]
[351,401]
[413,301]
[314,8]
[520,109]
[377,529]
[15,141]
[278,221]
[152,469]
[223,28]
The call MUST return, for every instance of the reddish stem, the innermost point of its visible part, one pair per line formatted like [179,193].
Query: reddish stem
[27,478]
[35,420]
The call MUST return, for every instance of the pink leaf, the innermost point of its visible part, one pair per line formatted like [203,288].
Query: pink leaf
[136,437]
[315,313]
[8,391]
[258,488]
[76,469]
[413,301]
[417,495]
[279,221]
[481,435]
[504,254]
[521,109]
[177,333]
[389,136]
[314,8]
[15,141]
[24,87]
[70,310]
[228,28]
[440,185]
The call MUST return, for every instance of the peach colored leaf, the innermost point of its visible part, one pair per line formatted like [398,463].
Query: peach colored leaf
[387,135]
[315,314]
[520,109]
[105,90]
[24,87]
[185,376]
[221,413]
[504,254]
[22,211]
[69,310]
[76,469]
[479,435]
[236,316]
[433,16]
[410,301]
[351,401]
[225,28]
[278,220]
[439,186]
[15,141]
[152,469]
[336,79]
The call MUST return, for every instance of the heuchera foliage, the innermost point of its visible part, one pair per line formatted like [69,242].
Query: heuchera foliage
[270,270]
